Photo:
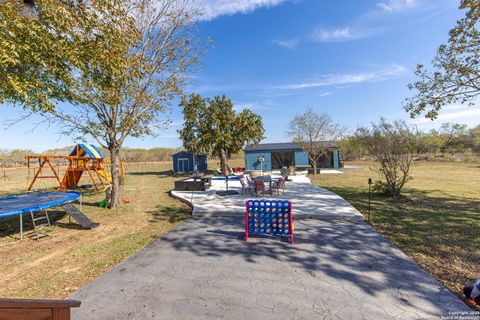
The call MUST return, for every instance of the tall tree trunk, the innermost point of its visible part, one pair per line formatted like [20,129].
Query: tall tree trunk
[314,163]
[116,172]
[223,162]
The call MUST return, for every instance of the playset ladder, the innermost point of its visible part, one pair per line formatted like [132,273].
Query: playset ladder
[40,220]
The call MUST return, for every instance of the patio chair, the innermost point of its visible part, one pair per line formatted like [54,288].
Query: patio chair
[250,181]
[279,185]
[246,187]
[260,186]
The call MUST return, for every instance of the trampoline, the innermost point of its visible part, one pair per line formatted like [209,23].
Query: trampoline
[19,205]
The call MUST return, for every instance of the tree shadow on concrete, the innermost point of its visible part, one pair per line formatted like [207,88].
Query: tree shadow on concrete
[344,251]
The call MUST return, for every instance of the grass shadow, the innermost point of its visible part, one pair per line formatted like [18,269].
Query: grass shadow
[166,173]
[10,226]
[172,214]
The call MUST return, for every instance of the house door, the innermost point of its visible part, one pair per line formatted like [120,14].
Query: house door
[183,165]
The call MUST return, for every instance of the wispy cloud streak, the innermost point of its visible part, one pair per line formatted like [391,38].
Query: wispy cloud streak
[396,5]
[338,35]
[211,9]
[348,78]
[287,43]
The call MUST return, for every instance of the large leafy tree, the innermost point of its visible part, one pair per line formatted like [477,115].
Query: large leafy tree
[35,56]
[213,126]
[314,132]
[455,77]
[128,60]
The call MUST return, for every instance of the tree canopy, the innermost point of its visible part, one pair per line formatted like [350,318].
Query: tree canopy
[121,65]
[455,77]
[213,126]
[36,56]
[314,132]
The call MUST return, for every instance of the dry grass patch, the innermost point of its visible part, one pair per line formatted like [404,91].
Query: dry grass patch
[57,265]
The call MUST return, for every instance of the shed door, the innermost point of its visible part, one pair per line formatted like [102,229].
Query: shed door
[183,165]
[283,159]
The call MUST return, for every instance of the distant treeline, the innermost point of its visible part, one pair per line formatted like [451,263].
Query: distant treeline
[450,139]
[15,158]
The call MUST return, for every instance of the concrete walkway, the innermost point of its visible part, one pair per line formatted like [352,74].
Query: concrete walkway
[308,200]
[204,270]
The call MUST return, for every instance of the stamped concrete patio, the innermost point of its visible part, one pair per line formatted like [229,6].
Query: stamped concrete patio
[308,200]
[338,268]
[203,269]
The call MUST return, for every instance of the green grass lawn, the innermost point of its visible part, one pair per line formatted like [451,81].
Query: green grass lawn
[436,221]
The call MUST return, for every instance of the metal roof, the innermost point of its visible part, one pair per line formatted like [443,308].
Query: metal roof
[272,146]
[184,151]
[279,146]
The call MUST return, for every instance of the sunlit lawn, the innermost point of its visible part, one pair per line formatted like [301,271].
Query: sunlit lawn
[70,257]
[436,221]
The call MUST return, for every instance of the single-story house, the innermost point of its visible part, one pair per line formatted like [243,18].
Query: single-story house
[185,161]
[274,156]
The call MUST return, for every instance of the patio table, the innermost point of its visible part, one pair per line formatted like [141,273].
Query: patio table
[266,179]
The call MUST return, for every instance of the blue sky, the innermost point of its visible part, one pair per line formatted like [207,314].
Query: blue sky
[350,59]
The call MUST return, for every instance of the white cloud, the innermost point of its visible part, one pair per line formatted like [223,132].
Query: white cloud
[348,78]
[287,43]
[254,106]
[396,5]
[324,94]
[338,35]
[461,113]
[211,9]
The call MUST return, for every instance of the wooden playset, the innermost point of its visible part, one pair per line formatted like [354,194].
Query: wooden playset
[85,159]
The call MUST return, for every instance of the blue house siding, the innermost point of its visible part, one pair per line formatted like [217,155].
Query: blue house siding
[253,152]
[187,162]
[301,158]
[252,163]
[201,162]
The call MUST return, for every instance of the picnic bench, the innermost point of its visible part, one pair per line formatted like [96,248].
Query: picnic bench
[23,309]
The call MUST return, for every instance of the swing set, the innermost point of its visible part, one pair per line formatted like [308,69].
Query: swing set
[85,159]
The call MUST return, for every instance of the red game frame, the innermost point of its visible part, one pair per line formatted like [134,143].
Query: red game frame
[290,218]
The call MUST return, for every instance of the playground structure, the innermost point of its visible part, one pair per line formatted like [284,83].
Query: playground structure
[85,159]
